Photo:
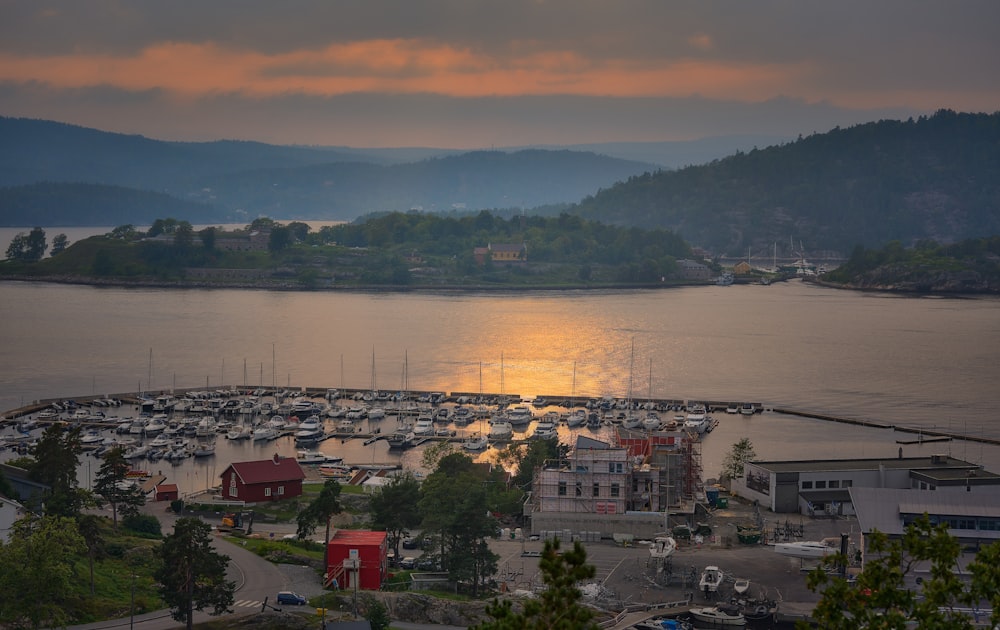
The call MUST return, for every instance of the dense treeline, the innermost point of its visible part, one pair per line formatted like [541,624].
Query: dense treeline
[970,265]
[563,239]
[930,178]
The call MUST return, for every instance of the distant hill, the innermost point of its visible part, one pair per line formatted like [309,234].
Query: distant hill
[931,178]
[243,180]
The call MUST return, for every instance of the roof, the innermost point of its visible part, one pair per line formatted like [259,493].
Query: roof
[897,463]
[583,443]
[357,537]
[882,508]
[167,487]
[268,470]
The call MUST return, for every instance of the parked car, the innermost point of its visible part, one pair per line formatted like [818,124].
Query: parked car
[408,562]
[289,597]
[410,543]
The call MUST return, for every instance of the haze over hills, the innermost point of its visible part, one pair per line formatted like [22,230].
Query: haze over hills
[931,178]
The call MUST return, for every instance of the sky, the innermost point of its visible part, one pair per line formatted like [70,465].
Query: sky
[470,74]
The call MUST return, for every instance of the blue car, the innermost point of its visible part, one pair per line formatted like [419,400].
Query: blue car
[288,597]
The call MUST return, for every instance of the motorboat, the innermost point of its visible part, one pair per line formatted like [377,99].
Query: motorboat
[720,616]
[544,430]
[239,433]
[423,426]
[156,425]
[204,448]
[747,409]
[340,472]
[263,434]
[205,428]
[376,413]
[711,577]
[401,438]
[315,457]
[91,439]
[809,548]
[501,430]
[345,427]
[741,586]
[651,421]
[477,442]
[461,416]
[160,441]
[576,418]
[662,547]
[519,416]
[631,420]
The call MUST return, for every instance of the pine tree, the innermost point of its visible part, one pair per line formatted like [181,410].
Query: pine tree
[192,575]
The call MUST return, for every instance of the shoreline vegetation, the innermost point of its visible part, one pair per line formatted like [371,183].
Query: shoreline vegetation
[413,252]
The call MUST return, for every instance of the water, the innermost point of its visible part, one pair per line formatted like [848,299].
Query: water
[920,362]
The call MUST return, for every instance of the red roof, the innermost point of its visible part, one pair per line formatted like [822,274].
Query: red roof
[357,537]
[167,487]
[268,470]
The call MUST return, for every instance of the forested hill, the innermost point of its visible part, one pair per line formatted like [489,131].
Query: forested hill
[243,180]
[932,178]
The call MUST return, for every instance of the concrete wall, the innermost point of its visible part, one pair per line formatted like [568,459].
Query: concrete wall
[639,525]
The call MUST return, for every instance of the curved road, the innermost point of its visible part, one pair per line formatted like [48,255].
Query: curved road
[255,578]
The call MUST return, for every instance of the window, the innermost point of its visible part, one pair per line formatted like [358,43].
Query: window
[834,484]
[615,490]
[579,489]
[562,488]
[846,483]
[281,490]
[234,491]
[597,489]
[232,481]
[616,467]
[820,484]
[267,492]
[807,485]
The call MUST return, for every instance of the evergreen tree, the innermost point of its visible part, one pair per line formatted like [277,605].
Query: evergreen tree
[192,575]
[110,484]
[59,243]
[57,456]
[741,453]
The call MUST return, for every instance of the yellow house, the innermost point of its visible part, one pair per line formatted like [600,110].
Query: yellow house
[502,253]
[742,268]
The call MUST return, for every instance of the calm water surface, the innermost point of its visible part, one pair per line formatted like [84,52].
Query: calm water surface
[918,362]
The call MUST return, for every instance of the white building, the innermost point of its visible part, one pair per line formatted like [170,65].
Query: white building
[822,487]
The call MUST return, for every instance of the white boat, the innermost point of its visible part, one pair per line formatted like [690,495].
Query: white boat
[136,452]
[809,549]
[423,426]
[345,427]
[461,416]
[316,457]
[204,448]
[304,436]
[477,442]
[741,586]
[205,428]
[725,279]
[711,577]
[662,547]
[747,409]
[576,418]
[156,425]
[160,441]
[721,616]
[501,430]
[519,416]
[544,430]
[239,433]
[339,472]
[92,438]
[651,421]
[631,420]
[263,434]
[376,413]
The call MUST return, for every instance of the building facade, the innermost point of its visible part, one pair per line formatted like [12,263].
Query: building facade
[264,480]
[357,557]
[822,487]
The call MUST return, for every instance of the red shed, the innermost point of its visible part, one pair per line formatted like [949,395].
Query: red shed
[370,551]
[167,492]
[264,480]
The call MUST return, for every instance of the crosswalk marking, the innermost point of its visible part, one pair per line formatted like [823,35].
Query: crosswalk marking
[247,603]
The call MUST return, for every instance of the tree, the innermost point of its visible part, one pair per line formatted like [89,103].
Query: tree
[89,526]
[192,575]
[57,456]
[558,607]
[395,508]
[110,484]
[880,596]
[321,510]
[59,244]
[28,248]
[453,504]
[183,235]
[207,237]
[37,572]
[126,232]
[280,238]
[741,453]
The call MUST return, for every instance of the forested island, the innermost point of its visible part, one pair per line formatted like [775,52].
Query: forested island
[414,250]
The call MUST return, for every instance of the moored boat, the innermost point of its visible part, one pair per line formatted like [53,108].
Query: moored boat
[720,616]
[477,442]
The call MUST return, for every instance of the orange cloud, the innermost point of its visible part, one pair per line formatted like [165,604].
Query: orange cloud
[400,66]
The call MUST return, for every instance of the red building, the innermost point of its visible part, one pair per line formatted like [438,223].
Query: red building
[167,492]
[264,480]
[367,550]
